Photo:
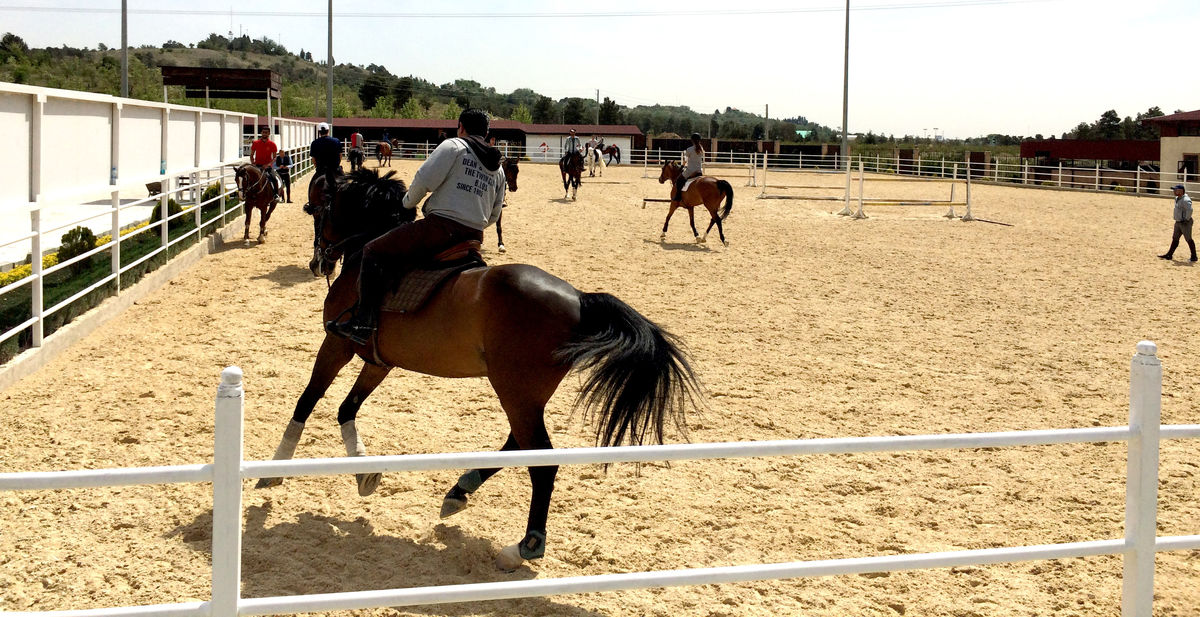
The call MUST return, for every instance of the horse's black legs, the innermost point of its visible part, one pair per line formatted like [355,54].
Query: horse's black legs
[500,232]
[692,222]
[670,211]
[368,379]
[716,220]
[456,499]
[334,354]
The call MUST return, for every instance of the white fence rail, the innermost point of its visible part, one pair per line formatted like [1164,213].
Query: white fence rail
[229,470]
[107,163]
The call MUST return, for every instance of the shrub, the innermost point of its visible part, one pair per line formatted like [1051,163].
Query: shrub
[211,192]
[77,242]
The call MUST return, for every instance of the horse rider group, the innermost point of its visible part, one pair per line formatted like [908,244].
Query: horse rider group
[262,156]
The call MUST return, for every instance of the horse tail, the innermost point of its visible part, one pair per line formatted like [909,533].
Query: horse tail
[639,378]
[726,190]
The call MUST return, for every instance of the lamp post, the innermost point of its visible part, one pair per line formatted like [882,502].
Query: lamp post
[329,71]
[846,95]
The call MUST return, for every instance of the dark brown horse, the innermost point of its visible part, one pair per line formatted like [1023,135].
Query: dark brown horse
[704,191]
[255,191]
[571,166]
[318,188]
[383,153]
[509,165]
[612,151]
[517,325]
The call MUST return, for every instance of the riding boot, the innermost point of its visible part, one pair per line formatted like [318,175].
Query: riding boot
[679,189]
[361,326]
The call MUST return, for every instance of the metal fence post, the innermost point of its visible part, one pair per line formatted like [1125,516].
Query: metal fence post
[1141,484]
[227,495]
[35,262]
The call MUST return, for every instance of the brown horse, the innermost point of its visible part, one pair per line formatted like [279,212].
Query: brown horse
[509,165]
[317,191]
[612,151]
[255,191]
[515,324]
[571,166]
[383,153]
[704,191]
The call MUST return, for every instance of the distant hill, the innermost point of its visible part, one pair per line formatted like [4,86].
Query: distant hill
[360,91]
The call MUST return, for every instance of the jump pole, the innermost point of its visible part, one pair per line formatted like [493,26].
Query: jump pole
[967,216]
[951,214]
[764,184]
[846,208]
[860,214]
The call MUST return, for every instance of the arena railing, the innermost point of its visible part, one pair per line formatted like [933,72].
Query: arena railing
[229,469]
[132,148]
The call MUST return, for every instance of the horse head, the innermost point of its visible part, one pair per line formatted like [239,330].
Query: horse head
[509,165]
[364,207]
[670,171]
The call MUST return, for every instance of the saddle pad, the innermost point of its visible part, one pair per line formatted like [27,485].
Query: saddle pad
[417,286]
[688,183]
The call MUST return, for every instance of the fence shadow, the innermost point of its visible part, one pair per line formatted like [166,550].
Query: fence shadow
[328,554]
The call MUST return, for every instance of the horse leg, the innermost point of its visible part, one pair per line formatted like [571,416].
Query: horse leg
[523,397]
[249,209]
[334,354]
[500,232]
[455,500]
[369,378]
[566,184]
[670,211]
[720,230]
[262,223]
[692,221]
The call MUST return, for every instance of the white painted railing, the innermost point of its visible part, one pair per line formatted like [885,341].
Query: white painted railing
[91,160]
[229,470]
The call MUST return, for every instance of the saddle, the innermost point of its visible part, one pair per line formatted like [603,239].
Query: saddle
[413,288]
[688,183]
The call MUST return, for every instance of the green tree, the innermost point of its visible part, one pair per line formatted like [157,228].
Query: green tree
[574,112]
[383,107]
[373,87]
[411,109]
[452,111]
[1108,126]
[610,112]
[521,114]
[543,111]
[402,91]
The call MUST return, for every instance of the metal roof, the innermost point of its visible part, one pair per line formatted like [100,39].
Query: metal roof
[1185,116]
[498,123]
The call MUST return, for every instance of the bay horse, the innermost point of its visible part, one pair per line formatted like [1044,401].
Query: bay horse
[357,157]
[519,326]
[704,191]
[612,151]
[571,166]
[509,165]
[317,192]
[255,191]
[383,153]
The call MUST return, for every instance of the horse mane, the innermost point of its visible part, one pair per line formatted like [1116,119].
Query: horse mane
[368,200]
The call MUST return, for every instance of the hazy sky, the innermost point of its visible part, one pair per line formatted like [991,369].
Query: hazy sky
[965,67]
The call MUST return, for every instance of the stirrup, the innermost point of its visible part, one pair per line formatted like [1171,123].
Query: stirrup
[350,330]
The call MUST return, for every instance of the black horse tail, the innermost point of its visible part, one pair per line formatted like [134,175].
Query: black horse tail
[640,375]
[727,190]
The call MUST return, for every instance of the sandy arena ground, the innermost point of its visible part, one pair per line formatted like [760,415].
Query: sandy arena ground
[808,325]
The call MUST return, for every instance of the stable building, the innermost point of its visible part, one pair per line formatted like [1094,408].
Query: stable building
[1179,146]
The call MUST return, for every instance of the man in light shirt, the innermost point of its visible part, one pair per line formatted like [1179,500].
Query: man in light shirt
[1183,223]
[467,185]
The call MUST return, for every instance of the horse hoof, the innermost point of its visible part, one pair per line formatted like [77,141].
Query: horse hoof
[268,482]
[662,237]
[501,249]
[725,242]
[452,506]
[509,558]
[367,483]
[262,239]
[699,240]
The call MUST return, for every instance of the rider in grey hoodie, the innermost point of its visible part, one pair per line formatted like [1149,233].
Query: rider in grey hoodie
[467,186]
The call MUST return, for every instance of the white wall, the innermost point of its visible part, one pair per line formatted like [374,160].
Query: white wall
[76,145]
[140,144]
[1172,150]
[16,117]
[533,145]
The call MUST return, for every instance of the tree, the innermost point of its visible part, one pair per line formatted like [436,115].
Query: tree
[383,108]
[452,111]
[411,109]
[402,91]
[574,112]
[12,46]
[373,87]
[522,114]
[1108,126]
[610,112]
[543,111]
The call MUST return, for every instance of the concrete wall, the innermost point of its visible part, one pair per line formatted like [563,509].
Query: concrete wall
[1172,150]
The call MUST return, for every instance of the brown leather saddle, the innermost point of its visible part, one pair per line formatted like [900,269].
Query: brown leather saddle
[414,287]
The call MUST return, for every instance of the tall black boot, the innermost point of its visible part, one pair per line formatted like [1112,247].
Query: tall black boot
[361,326]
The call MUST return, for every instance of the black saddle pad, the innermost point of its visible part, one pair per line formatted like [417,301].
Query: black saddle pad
[415,287]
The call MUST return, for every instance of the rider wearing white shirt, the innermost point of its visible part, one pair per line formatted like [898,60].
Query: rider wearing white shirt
[571,144]
[693,166]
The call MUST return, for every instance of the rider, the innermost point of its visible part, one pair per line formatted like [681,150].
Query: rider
[468,185]
[356,140]
[262,156]
[570,145]
[283,166]
[693,165]
[326,153]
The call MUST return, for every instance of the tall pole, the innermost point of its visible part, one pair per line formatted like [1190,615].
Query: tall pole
[846,95]
[329,67]
[125,48]
[597,105]
[766,121]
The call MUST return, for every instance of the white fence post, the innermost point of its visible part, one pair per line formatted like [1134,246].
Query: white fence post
[860,214]
[1141,484]
[227,495]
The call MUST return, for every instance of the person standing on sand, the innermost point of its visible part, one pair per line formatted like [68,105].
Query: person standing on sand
[1183,223]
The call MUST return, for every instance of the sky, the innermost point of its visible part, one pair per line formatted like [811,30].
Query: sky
[955,68]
